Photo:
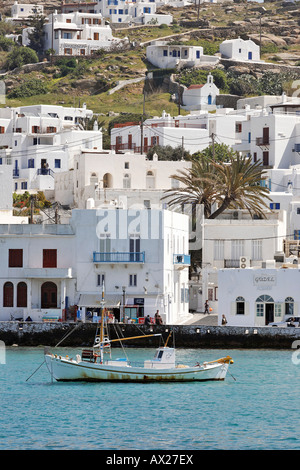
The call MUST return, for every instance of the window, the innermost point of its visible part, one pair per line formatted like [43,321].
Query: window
[49,258]
[238,127]
[165,53]
[8,294]
[24,185]
[67,35]
[240,306]
[289,306]
[275,205]
[22,294]
[126,181]
[237,249]
[132,280]
[100,279]
[219,249]
[15,258]
[57,163]
[31,163]
[257,249]
[126,165]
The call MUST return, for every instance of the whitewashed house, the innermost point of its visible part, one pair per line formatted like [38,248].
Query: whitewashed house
[240,50]
[40,140]
[257,297]
[136,12]
[124,179]
[235,240]
[77,33]
[166,55]
[201,96]
[141,257]
[22,11]
[194,131]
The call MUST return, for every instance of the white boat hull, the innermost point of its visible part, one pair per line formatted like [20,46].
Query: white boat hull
[67,369]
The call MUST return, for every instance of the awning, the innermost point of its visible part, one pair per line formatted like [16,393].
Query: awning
[94,301]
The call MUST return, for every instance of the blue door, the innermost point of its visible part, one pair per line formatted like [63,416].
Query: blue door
[249,55]
[209,99]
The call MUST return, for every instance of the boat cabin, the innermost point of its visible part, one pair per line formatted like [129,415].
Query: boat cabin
[163,359]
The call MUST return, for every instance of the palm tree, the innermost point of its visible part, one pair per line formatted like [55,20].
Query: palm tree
[197,187]
[234,184]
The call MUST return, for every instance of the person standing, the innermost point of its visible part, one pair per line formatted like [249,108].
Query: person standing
[206,307]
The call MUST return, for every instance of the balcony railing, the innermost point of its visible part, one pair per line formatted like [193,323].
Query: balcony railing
[262,141]
[119,257]
[45,171]
[16,173]
[182,260]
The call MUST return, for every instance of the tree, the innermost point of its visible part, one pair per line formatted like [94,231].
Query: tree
[37,34]
[20,56]
[167,152]
[236,184]
[217,152]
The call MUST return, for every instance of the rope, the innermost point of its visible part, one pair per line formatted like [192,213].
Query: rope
[63,338]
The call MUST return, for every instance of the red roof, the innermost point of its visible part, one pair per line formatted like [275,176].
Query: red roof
[191,87]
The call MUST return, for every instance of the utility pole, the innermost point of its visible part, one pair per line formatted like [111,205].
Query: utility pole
[148,76]
[182,148]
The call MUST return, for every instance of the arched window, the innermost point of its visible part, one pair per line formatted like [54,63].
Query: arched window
[126,181]
[8,294]
[22,294]
[289,306]
[49,295]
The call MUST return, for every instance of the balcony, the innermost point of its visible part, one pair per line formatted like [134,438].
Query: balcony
[119,257]
[45,171]
[261,141]
[231,263]
[16,173]
[182,260]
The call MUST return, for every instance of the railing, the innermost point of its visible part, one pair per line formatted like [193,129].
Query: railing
[16,173]
[119,257]
[45,171]
[182,259]
[231,263]
[262,141]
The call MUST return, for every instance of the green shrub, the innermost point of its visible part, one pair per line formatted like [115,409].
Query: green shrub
[29,88]
[19,56]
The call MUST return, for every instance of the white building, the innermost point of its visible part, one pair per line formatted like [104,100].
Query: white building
[77,33]
[141,257]
[124,178]
[240,50]
[193,131]
[257,297]
[137,12]
[235,240]
[40,140]
[201,96]
[22,11]
[163,55]
[121,11]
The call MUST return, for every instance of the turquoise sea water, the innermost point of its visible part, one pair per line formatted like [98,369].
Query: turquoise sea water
[258,410]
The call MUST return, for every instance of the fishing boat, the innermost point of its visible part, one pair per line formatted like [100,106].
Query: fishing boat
[92,367]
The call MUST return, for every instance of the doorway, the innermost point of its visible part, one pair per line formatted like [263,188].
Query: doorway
[49,295]
[269,313]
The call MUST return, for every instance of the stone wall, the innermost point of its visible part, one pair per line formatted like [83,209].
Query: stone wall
[186,336]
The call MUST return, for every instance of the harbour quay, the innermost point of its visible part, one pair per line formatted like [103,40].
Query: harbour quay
[70,334]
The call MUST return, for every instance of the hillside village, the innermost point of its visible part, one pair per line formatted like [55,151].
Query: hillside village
[152,148]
